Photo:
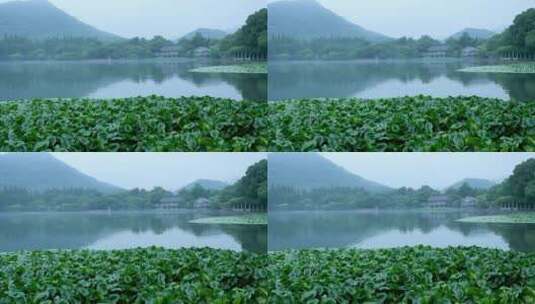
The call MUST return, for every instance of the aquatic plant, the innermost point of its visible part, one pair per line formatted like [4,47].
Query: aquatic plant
[402,275]
[515,68]
[248,68]
[152,275]
[246,219]
[133,124]
[514,218]
[419,123]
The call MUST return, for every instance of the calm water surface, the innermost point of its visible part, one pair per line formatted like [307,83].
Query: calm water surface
[122,230]
[103,79]
[387,229]
[383,79]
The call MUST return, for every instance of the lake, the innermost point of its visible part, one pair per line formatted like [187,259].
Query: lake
[383,79]
[118,79]
[123,230]
[386,229]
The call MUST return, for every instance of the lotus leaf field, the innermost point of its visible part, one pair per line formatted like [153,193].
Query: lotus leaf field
[406,124]
[154,123]
[133,276]
[155,275]
[404,275]
[133,124]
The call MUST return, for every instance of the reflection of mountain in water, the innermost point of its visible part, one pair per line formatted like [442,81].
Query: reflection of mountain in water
[289,80]
[81,79]
[342,229]
[78,230]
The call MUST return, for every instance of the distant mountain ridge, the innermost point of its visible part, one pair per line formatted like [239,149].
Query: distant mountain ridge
[42,171]
[39,19]
[480,34]
[308,19]
[476,183]
[213,34]
[311,170]
[208,184]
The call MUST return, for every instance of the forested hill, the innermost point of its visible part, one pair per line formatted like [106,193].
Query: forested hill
[475,183]
[311,170]
[42,171]
[307,19]
[480,34]
[207,184]
[39,19]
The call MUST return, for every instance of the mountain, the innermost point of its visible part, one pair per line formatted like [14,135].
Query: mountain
[39,19]
[480,34]
[307,19]
[311,170]
[476,183]
[207,184]
[42,171]
[206,33]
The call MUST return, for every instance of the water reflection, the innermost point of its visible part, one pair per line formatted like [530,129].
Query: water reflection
[383,79]
[383,229]
[100,79]
[120,230]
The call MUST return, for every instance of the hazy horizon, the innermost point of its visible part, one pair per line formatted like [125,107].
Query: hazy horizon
[438,170]
[170,171]
[169,18]
[414,18]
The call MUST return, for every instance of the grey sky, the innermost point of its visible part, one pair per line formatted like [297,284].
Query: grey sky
[168,170]
[170,18]
[438,170]
[439,18]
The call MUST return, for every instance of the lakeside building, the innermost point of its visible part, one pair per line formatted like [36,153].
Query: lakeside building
[437,51]
[201,52]
[438,201]
[171,51]
[469,52]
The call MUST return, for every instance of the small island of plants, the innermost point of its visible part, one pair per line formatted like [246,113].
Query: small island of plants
[246,219]
[515,218]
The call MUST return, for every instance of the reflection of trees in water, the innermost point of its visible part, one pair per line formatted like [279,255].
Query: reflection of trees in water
[341,79]
[77,79]
[251,86]
[342,229]
[77,230]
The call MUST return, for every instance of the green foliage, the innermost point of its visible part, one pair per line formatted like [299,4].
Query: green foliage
[347,198]
[250,38]
[78,199]
[405,124]
[519,37]
[404,275]
[133,124]
[150,275]
[250,189]
[521,184]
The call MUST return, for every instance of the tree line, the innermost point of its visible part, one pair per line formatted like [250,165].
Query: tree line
[250,42]
[519,188]
[517,41]
[251,188]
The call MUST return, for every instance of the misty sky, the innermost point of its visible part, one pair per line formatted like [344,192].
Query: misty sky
[438,170]
[169,18]
[440,19]
[168,170]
